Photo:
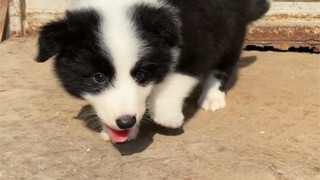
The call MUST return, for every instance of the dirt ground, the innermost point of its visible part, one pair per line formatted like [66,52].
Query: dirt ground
[269,129]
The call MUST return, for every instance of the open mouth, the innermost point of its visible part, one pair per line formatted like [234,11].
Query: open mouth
[118,136]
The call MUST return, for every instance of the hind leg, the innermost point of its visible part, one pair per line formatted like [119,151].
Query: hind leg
[212,97]
[215,86]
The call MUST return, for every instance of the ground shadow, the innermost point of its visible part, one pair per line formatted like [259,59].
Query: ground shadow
[148,128]
[147,131]
[247,61]
[243,63]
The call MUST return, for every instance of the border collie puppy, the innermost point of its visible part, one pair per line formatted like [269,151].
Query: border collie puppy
[126,56]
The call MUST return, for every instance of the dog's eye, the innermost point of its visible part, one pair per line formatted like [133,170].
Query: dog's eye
[139,76]
[99,77]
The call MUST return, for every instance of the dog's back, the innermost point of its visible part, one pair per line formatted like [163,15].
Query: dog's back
[213,28]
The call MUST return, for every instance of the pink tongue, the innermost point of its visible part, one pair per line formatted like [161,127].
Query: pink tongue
[118,136]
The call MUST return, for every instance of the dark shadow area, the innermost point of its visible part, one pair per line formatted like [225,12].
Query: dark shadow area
[147,131]
[246,61]
[90,119]
[242,63]
[148,128]
[300,49]
[5,28]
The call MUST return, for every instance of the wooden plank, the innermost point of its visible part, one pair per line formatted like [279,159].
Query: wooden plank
[3,16]
[288,25]
[16,17]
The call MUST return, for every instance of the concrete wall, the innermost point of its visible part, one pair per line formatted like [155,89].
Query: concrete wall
[39,12]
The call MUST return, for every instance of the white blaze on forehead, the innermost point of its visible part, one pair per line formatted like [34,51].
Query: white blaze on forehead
[123,47]
[121,40]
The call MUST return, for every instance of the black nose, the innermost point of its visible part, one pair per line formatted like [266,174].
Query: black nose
[126,122]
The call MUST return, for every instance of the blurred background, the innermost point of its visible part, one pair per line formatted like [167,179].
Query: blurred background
[290,25]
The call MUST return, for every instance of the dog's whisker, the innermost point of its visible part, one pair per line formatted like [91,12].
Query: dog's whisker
[147,119]
[89,114]
[92,119]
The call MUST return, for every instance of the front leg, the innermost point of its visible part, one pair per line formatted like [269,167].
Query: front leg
[166,101]
[213,96]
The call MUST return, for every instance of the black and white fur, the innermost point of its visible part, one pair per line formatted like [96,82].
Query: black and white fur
[124,56]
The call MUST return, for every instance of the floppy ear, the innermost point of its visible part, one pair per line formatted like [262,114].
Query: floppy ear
[50,40]
[163,21]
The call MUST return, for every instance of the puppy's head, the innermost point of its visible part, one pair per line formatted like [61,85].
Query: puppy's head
[112,54]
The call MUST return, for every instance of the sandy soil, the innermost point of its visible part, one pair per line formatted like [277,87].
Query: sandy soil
[269,129]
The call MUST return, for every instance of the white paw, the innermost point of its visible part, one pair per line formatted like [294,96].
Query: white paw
[168,118]
[212,98]
[104,135]
[212,101]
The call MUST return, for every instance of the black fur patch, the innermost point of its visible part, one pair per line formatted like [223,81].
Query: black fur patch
[79,53]
[213,33]
[160,29]
[162,22]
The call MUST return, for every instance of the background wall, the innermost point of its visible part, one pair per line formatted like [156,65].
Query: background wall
[26,16]
[289,23]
